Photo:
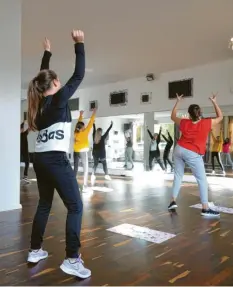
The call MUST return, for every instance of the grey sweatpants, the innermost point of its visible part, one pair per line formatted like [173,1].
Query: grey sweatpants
[129,155]
[84,158]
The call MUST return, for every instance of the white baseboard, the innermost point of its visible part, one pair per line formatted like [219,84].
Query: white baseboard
[13,207]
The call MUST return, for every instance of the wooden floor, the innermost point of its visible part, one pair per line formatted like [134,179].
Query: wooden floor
[200,254]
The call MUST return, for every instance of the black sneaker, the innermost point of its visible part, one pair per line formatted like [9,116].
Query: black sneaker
[172,205]
[209,213]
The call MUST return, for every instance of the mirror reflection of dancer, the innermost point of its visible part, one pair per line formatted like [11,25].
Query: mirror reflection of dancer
[226,150]
[167,150]
[129,150]
[24,149]
[190,149]
[216,151]
[154,153]
[49,113]
[99,151]
[81,146]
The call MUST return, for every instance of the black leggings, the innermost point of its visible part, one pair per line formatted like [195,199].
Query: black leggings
[154,155]
[218,157]
[53,171]
[96,162]
[167,160]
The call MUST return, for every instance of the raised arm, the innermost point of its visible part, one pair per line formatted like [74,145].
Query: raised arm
[91,121]
[150,134]
[108,130]
[159,136]
[94,131]
[47,55]
[219,115]
[71,86]
[174,118]
[80,119]
[165,138]
[169,136]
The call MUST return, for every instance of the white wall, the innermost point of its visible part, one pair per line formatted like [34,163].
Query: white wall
[216,77]
[10,84]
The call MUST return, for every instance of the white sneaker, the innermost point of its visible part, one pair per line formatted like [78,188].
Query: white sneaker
[107,177]
[93,178]
[75,267]
[34,256]
[213,171]
[25,179]
[224,173]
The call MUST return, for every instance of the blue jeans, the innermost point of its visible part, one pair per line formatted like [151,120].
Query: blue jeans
[53,171]
[195,161]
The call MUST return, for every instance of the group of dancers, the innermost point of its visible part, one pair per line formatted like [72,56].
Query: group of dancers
[221,151]
[49,114]
[81,148]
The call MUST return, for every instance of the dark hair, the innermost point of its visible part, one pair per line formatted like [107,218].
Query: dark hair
[22,125]
[79,126]
[194,112]
[99,130]
[227,140]
[37,87]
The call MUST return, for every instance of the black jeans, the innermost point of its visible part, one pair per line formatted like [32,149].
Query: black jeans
[219,160]
[166,159]
[155,155]
[26,161]
[96,162]
[53,171]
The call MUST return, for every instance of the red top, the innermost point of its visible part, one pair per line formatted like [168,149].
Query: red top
[194,135]
[226,147]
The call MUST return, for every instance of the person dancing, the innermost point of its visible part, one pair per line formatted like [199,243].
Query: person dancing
[81,146]
[167,150]
[99,151]
[216,151]
[190,149]
[49,114]
[154,153]
[129,150]
[226,150]
[24,149]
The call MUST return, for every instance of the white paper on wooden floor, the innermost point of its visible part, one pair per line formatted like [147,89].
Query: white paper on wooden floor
[143,233]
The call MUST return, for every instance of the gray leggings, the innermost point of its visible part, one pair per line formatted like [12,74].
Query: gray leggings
[129,155]
[84,158]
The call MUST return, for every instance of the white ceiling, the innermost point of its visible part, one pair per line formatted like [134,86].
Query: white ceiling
[126,38]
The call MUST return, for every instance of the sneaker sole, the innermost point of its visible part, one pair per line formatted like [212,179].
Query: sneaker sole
[74,273]
[172,207]
[36,260]
[210,215]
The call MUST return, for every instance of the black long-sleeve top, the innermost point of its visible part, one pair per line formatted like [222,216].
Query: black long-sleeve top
[99,148]
[54,122]
[157,141]
[169,141]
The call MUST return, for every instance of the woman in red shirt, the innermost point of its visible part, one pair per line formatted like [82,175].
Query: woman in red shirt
[190,149]
[226,155]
